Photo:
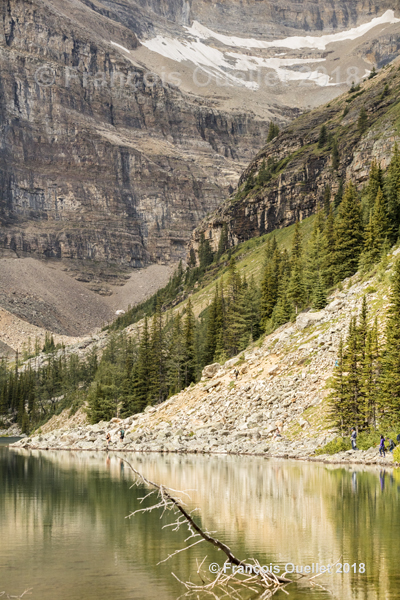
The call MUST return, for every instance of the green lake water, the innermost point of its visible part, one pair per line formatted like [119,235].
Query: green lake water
[63,530]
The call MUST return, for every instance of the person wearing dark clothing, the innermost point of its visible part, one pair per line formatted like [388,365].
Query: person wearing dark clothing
[392,445]
[382,449]
[121,435]
[353,438]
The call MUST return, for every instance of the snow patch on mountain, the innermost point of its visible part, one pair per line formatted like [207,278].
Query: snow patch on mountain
[296,42]
[214,62]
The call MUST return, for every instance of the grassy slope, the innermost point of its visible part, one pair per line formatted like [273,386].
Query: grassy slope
[250,257]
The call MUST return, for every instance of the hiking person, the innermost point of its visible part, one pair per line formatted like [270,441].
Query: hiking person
[121,434]
[392,445]
[382,449]
[108,439]
[353,438]
[236,373]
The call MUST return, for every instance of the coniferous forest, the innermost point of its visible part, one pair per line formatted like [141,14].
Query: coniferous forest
[352,231]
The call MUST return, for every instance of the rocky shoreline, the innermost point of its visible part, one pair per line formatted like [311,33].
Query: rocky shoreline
[93,437]
[270,401]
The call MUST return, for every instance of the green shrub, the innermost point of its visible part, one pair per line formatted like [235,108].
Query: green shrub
[339,444]
[396,454]
[368,439]
[371,289]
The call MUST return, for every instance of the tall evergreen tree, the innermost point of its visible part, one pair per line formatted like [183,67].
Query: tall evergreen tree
[328,265]
[390,383]
[144,368]
[375,183]
[375,234]
[327,200]
[273,131]
[348,235]
[297,291]
[205,252]
[189,362]
[323,137]
[392,192]
[319,294]
[270,287]
[338,398]
[297,247]
[223,243]
[362,123]
[335,155]
[339,194]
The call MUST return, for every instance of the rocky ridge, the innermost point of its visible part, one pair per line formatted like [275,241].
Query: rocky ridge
[304,170]
[103,160]
[276,406]
[98,159]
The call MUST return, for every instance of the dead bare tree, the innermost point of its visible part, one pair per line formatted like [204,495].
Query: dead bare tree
[8,596]
[251,576]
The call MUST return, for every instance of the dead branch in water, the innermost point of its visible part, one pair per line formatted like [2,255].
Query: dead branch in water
[4,595]
[253,575]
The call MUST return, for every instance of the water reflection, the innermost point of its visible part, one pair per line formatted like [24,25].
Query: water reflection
[63,531]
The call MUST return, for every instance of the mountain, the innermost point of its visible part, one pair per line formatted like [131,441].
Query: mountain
[114,145]
[288,178]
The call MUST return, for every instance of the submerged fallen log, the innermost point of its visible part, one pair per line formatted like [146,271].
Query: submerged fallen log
[247,574]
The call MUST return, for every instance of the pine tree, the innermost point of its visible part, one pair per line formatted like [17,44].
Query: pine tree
[339,194]
[212,333]
[348,235]
[223,243]
[205,252]
[189,360]
[144,368]
[375,183]
[323,137]
[314,257]
[270,288]
[250,183]
[282,312]
[236,314]
[328,265]
[273,131]
[390,383]
[327,200]
[355,405]
[264,175]
[370,376]
[296,286]
[335,155]
[157,387]
[319,294]
[296,290]
[362,123]
[338,398]
[392,193]
[297,247]
[176,356]
[375,234]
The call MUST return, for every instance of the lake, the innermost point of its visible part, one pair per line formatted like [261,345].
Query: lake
[63,530]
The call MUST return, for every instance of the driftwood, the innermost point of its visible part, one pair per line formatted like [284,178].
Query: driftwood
[9,597]
[253,572]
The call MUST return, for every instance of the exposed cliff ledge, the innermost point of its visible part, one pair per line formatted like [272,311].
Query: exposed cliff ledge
[97,160]
[303,170]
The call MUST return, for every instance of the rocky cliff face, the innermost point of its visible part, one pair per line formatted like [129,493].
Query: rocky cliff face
[97,160]
[101,159]
[303,170]
[257,16]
